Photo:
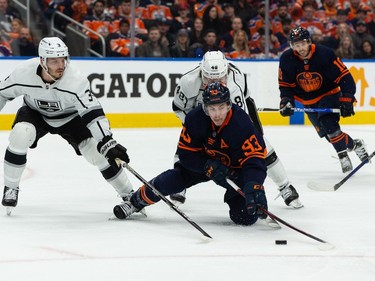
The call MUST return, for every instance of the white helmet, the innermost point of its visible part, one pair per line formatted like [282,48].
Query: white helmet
[214,67]
[52,47]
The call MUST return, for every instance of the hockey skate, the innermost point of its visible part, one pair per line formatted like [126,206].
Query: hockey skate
[124,210]
[360,149]
[10,199]
[290,196]
[178,198]
[346,163]
[126,198]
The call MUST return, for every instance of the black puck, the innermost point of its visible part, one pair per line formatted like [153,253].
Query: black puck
[280,242]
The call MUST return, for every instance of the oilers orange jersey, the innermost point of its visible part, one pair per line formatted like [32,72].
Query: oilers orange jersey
[157,12]
[120,45]
[236,144]
[311,79]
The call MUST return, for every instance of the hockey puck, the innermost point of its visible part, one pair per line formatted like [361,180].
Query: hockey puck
[280,242]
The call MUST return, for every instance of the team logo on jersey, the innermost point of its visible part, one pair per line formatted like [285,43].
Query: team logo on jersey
[48,106]
[218,155]
[309,81]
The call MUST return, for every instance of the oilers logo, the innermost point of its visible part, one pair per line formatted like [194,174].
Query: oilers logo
[309,81]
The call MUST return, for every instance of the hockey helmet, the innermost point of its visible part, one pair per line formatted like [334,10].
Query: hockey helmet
[299,34]
[52,47]
[214,67]
[216,93]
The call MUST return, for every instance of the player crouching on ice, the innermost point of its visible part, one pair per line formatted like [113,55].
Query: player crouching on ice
[218,141]
[57,100]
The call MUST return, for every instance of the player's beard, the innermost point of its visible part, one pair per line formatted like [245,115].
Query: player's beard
[305,54]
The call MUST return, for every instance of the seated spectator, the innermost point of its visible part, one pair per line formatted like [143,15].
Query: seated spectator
[330,8]
[346,48]
[361,15]
[152,47]
[366,51]
[124,12]
[245,9]
[24,45]
[119,43]
[240,47]
[183,20]
[196,34]
[7,14]
[167,38]
[259,51]
[254,42]
[181,47]
[361,33]
[76,10]
[211,19]
[317,37]
[197,50]
[229,15]
[156,10]
[14,34]
[309,19]
[100,23]
[354,6]
[199,8]
[227,39]
[283,35]
[259,21]
[15,27]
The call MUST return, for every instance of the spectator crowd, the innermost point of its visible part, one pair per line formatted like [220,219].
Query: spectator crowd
[189,28]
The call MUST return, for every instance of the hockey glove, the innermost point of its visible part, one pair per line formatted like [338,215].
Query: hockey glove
[255,197]
[218,172]
[346,105]
[112,151]
[286,106]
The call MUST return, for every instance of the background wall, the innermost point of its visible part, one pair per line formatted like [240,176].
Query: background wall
[139,93]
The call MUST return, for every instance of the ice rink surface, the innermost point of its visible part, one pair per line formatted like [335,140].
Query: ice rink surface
[61,230]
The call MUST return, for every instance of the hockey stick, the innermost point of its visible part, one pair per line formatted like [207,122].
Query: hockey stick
[296,109]
[162,197]
[326,187]
[327,246]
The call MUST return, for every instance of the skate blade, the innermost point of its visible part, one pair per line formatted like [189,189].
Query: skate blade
[296,204]
[9,210]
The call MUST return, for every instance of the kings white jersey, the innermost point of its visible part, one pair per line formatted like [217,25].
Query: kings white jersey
[188,93]
[58,102]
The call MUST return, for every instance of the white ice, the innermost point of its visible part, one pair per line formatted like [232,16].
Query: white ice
[61,230]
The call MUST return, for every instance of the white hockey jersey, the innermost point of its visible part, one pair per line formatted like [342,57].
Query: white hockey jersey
[188,93]
[58,102]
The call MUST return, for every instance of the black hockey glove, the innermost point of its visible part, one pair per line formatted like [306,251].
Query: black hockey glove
[255,197]
[346,106]
[218,172]
[286,105]
[112,151]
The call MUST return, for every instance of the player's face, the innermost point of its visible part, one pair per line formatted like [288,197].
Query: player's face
[56,67]
[218,112]
[302,48]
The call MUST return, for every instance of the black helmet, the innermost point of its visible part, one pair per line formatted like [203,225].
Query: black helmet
[215,93]
[299,34]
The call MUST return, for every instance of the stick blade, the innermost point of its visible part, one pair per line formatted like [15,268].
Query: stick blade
[320,186]
[326,246]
